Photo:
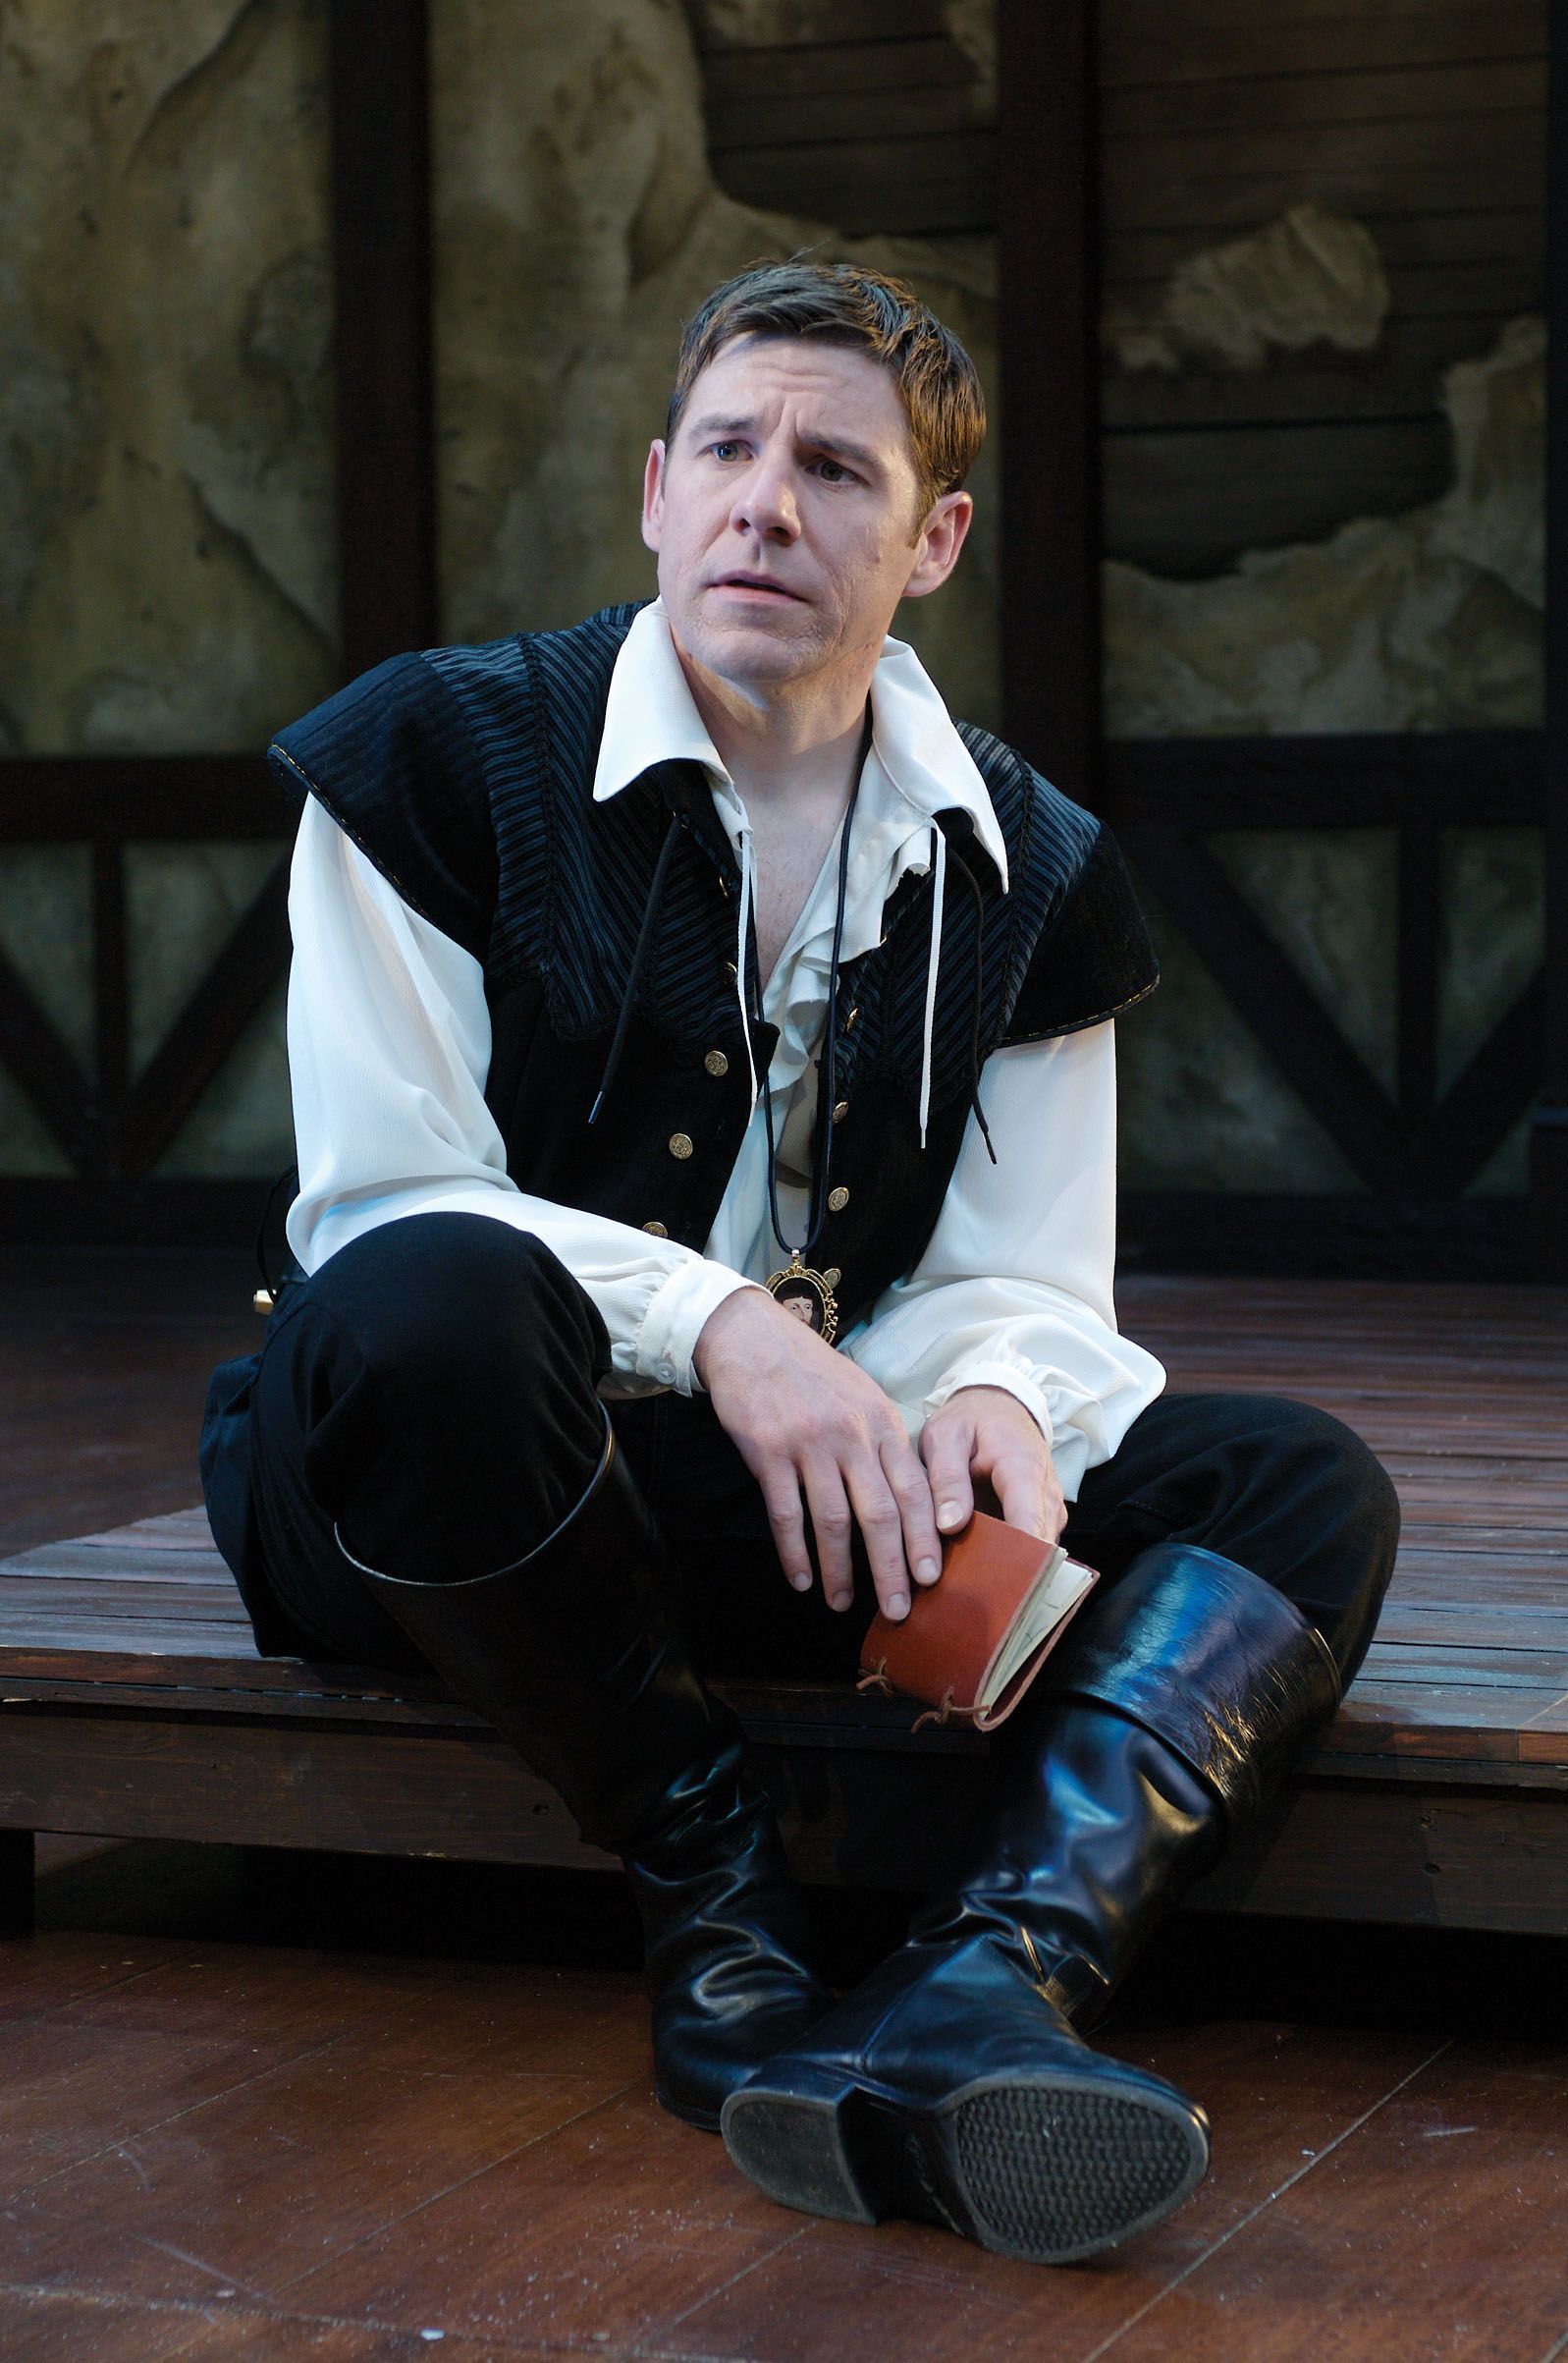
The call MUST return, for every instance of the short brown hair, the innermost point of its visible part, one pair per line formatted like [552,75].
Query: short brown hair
[843,304]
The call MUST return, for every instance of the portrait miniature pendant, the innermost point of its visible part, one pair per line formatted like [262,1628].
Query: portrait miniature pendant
[808,1295]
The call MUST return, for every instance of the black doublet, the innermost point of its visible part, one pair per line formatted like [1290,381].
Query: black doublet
[466,775]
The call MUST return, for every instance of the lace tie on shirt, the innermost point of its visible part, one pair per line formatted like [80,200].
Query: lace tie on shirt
[938,905]
[747,900]
[975,1003]
[748,897]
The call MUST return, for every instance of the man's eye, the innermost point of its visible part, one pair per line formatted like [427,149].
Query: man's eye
[724,451]
[834,472]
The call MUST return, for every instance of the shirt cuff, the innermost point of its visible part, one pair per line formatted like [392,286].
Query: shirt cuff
[673,1321]
[1014,1378]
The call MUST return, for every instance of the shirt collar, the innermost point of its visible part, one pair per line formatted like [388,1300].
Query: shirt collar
[651,717]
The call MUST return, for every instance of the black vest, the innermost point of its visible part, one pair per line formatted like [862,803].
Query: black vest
[466,775]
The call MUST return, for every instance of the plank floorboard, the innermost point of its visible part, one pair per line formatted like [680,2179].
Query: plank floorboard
[71,2093]
[74,1968]
[1277,2095]
[255,2188]
[1447,2212]
[52,2325]
[614,2227]
[451,2016]
[473,2146]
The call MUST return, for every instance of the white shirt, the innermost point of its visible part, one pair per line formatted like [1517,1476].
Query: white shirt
[388,1046]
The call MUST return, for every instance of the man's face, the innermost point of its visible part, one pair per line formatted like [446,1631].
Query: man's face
[786,514]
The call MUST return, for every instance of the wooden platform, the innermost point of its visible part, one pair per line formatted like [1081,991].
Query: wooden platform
[133,1701]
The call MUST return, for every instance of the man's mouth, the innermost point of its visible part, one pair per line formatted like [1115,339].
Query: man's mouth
[761,585]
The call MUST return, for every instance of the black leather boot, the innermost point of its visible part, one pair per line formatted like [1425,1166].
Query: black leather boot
[952,2085]
[573,1655]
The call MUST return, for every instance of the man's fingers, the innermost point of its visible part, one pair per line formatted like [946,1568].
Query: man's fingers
[948,1449]
[912,1488]
[1030,1498]
[833,1525]
[881,1526]
[781,1496]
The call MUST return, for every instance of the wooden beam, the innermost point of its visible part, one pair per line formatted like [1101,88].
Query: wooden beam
[1442,778]
[381,248]
[1420,888]
[1291,1023]
[1487,1100]
[38,1058]
[124,1211]
[207,1028]
[111,973]
[61,800]
[1549,1146]
[1047,174]
[1343,1235]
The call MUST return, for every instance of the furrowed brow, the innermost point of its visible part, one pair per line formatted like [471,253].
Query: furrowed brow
[834,447]
[830,446]
[713,425]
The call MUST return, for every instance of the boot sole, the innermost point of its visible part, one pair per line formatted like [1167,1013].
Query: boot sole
[1045,2169]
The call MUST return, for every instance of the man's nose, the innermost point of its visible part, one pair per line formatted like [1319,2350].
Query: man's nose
[765,504]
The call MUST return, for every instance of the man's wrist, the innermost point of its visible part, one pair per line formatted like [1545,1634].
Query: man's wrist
[1019,1384]
[681,1311]
[731,1311]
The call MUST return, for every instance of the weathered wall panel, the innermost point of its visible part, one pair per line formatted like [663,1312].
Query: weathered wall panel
[1321,255]
[166,548]
[578,222]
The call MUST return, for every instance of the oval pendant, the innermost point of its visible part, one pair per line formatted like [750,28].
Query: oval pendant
[808,1295]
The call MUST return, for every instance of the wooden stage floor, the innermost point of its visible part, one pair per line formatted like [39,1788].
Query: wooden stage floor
[230,2125]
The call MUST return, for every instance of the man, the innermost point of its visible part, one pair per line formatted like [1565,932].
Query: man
[703,1080]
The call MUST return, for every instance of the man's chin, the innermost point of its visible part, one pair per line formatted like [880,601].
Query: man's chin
[761,649]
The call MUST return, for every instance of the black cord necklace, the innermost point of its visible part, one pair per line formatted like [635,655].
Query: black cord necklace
[810,1295]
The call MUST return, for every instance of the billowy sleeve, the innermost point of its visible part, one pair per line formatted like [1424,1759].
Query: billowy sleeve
[1014,1289]
[389,1048]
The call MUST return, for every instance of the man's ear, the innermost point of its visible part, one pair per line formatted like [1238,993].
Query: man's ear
[939,540]
[653,494]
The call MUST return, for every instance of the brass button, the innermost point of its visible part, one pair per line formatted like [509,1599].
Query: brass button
[849,1021]
[680,1145]
[715,1063]
[731,969]
[840,1111]
[833,1276]
[838,1199]
[658,1229]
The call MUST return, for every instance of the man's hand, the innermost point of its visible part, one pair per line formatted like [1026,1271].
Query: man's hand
[985,1431]
[807,1422]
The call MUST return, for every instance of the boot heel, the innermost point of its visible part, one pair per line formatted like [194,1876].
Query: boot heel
[808,2142]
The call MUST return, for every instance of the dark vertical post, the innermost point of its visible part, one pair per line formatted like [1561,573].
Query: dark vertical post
[381,253]
[1549,1157]
[1048,214]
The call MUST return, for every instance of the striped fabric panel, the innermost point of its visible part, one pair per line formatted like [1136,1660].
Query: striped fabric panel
[575,876]
[391,756]
[605,855]
[1049,840]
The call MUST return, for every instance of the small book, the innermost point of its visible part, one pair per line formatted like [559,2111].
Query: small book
[974,1640]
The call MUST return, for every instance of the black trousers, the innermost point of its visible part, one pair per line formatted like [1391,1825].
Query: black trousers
[430,1393]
